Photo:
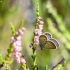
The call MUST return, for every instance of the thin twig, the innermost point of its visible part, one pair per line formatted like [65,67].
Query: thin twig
[61,62]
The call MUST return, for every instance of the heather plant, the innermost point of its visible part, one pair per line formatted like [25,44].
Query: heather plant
[15,48]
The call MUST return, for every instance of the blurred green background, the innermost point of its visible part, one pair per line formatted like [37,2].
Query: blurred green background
[56,17]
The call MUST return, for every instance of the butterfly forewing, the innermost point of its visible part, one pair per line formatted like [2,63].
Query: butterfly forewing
[42,41]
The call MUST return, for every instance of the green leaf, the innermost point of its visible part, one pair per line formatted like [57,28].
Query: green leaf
[12,28]
[11,60]
[21,23]
[1,59]
[8,62]
[46,67]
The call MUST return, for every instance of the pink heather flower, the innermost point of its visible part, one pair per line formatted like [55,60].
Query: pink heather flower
[41,22]
[17,60]
[12,39]
[22,60]
[39,32]
[36,40]
[14,44]
[23,29]
[17,43]
[39,18]
[17,54]
[36,31]
[40,27]
[16,40]
[17,48]
[19,38]
[17,33]
[20,31]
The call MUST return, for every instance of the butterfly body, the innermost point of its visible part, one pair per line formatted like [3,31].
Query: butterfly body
[46,41]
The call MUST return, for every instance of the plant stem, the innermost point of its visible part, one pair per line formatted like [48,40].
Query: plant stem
[34,58]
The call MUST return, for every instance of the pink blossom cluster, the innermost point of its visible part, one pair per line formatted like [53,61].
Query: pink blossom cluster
[38,31]
[16,41]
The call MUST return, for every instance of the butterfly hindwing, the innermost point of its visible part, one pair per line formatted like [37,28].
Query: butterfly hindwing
[49,45]
[48,35]
[55,42]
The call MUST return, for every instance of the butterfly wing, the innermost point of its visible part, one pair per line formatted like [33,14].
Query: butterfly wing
[45,41]
[55,42]
[49,45]
[48,35]
[42,41]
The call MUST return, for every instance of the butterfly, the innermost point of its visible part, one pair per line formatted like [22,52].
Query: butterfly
[46,41]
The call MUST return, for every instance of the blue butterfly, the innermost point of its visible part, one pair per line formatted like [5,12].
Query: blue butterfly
[46,41]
